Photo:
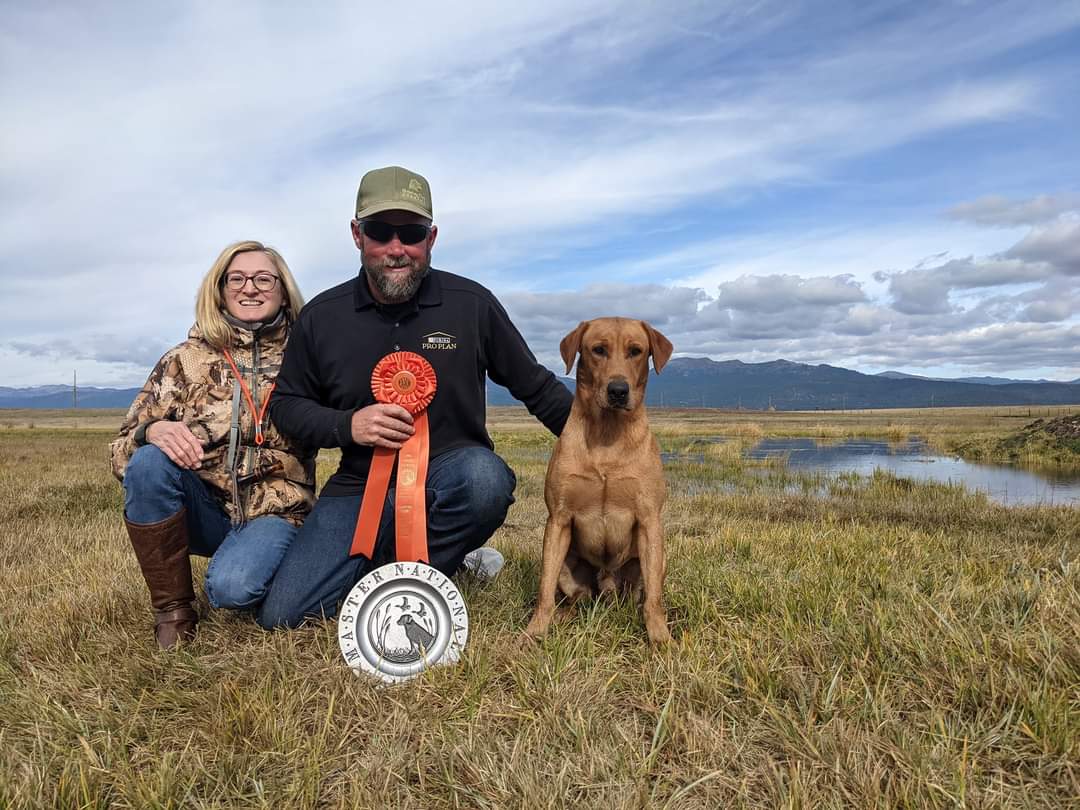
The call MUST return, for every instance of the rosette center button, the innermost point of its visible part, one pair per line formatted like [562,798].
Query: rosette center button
[404,382]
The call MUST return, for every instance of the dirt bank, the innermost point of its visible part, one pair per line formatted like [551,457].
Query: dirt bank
[1056,440]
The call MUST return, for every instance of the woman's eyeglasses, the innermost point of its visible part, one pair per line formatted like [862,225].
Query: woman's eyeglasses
[264,282]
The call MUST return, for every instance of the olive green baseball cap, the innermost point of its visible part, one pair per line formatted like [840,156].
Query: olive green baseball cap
[393,189]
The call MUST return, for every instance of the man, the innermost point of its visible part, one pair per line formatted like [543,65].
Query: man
[324,399]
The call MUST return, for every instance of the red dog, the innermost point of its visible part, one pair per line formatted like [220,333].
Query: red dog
[605,485]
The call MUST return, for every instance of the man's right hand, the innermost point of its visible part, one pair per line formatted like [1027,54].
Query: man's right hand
[382,425]
[176,440]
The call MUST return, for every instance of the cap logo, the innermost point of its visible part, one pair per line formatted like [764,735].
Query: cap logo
[415,192]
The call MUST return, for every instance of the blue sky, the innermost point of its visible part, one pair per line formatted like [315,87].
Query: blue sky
[869,185]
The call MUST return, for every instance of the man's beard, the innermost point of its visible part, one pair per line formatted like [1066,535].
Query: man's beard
[397,289]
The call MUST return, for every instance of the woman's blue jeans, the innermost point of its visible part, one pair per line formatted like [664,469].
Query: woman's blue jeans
[469,491]
[243,559]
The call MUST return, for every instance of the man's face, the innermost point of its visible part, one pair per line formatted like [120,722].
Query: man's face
[394,269]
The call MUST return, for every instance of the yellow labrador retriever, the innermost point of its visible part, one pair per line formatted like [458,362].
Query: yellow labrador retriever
[605,486]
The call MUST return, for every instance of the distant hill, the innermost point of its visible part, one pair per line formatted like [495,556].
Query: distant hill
[59,396]
[689,382]
[704,383]
[899,375]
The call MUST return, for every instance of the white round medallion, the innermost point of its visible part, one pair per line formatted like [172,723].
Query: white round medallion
[401,619]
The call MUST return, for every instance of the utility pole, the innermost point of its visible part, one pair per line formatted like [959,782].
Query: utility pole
[75,389]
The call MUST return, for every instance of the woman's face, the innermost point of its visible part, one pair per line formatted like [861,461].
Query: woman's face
[249,303]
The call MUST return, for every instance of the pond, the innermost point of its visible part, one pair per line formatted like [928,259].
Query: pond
[913,459]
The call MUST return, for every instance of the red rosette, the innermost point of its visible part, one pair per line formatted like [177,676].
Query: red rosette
[405,379]
[408,380]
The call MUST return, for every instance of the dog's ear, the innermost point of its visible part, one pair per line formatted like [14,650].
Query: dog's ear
[571,344]
[659,346]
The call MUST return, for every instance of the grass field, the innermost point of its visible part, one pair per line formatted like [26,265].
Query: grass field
[890,644]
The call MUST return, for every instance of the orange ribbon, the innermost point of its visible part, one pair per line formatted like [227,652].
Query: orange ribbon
[408,380]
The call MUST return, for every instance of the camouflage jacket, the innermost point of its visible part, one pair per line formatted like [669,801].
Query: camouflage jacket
[194,384]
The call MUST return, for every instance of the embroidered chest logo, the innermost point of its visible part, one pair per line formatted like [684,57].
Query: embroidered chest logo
[439,341]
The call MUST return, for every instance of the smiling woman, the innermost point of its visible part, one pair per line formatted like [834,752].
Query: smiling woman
[204,471]
[252,292]
[226,291]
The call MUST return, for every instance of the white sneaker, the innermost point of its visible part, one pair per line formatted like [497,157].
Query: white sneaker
[484,562]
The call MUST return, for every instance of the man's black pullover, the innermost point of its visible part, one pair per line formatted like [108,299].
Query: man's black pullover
[456,324]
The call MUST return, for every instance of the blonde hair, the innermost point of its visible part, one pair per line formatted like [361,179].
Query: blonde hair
[210,300]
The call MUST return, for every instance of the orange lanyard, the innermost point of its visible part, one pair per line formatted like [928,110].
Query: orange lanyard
[258,414]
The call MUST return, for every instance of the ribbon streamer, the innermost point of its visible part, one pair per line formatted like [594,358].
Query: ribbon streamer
[408,380]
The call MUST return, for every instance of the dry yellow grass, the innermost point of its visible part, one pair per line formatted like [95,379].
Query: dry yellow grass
[887,645]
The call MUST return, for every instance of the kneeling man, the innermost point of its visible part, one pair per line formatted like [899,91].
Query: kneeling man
[398,303]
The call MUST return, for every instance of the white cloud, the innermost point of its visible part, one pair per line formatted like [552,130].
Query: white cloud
[863,319]
[1056,243]
[1057,300]
[771,294]
[927,290]
[996,210]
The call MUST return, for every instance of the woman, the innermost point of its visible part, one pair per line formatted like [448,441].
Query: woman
[204,471]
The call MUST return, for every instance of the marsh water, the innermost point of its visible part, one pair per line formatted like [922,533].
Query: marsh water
[913,459]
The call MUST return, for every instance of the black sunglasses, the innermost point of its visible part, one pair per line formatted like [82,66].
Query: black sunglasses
[410,234]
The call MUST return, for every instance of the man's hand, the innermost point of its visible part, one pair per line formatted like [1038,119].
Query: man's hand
[382,425]
[176,441]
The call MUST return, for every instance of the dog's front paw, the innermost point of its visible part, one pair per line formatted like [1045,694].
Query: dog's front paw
[526,641]
[658,632]
[540,622]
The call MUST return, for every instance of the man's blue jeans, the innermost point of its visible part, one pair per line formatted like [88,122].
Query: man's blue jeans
[469,491]
[242,558]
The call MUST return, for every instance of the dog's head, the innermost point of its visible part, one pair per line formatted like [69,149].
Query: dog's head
[614,365]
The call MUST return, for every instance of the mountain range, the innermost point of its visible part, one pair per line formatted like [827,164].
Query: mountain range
[899,375]
[60,396]
[688,382]
[783,385]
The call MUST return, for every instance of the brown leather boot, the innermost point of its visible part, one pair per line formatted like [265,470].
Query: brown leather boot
[162,551]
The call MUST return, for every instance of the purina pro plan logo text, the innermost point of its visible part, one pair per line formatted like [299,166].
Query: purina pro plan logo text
[439,341]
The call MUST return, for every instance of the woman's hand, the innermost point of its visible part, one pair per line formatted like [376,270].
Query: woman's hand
[382,425]
[176,440]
